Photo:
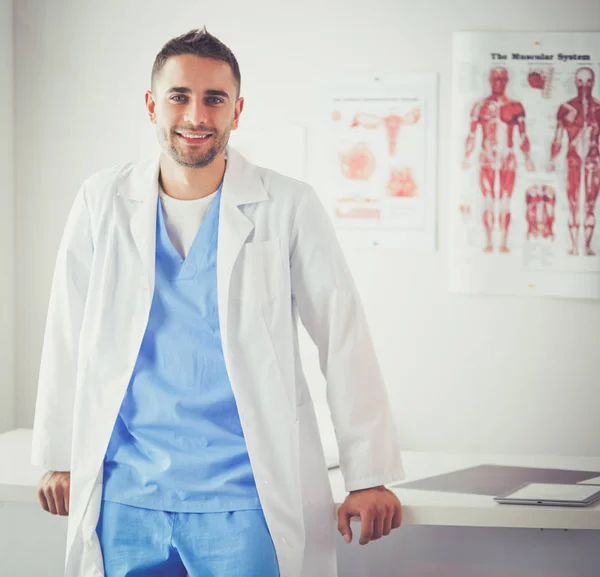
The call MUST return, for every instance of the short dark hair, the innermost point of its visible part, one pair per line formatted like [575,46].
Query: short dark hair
[200,43]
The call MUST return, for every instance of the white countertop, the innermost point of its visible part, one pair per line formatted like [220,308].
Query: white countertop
[18,477]
[421,507]
[18,482]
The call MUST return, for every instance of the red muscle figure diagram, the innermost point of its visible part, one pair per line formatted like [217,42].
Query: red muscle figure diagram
[540,200]
[500,118]
[579,119]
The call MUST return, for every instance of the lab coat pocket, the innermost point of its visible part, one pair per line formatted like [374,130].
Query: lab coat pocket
[261,271]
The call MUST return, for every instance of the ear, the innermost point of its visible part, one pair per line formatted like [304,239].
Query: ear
[239,106]
[150,105]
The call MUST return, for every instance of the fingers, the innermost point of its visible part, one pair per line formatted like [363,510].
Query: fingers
[387,522]
[378,521]
[397,519]
[344,524]
[59,500]
[50,499]
[53,493]
[43,501]
[367,521]
[380,511]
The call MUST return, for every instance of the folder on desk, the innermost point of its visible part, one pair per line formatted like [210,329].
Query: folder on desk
[551,494]
[495,480]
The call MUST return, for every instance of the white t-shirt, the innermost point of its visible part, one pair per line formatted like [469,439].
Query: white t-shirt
[183,219]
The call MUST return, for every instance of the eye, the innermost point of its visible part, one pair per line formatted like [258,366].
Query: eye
[215,100]
[178,96]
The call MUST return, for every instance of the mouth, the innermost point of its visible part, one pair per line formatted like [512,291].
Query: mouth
[194,138]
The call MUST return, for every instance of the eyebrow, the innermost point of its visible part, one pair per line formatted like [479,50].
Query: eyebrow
[186,90]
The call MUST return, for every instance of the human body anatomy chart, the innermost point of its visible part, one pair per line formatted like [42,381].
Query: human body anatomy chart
[381,165]
[525,164]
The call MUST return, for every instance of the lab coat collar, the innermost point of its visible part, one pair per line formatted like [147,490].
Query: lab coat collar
[242,184]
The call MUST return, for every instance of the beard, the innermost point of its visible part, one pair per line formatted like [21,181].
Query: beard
[185,155]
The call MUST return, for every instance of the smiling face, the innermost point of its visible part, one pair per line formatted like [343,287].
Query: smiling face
[195,107]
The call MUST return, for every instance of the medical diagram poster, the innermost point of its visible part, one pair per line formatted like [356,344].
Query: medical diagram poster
[525,174]
[380,162]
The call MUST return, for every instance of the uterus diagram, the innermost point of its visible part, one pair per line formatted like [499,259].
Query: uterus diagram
[359,163]
[392,123]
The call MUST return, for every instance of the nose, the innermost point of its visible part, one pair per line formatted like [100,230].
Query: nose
[196,113]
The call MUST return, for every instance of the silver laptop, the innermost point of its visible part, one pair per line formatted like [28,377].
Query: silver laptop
[553,494]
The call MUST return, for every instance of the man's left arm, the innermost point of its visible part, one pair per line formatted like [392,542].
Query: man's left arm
[330,308]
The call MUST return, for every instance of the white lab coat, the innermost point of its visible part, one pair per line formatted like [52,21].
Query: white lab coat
[278,257]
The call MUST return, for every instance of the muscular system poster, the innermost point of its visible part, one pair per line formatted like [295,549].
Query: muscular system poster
[525,164]
[381,165]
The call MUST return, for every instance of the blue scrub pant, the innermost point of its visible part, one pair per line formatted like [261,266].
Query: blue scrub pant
[144,542]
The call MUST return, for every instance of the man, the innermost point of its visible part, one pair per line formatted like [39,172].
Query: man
[580,119]
[173,414]
[498,115]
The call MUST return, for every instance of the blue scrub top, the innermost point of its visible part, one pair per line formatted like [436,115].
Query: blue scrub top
[177,444]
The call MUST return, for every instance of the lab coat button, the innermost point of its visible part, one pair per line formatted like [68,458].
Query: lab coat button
[283,540]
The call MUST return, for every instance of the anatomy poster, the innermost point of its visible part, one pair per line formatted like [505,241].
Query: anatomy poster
[380,161]
[525,164]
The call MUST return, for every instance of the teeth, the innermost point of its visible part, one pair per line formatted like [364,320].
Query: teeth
[195,136]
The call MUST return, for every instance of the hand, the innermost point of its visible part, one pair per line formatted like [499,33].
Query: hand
[529,166]
[551,167]
[53,492]
[379,509]
[466,164]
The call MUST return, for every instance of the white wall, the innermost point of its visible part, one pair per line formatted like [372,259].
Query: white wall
[7,214]
[466,374]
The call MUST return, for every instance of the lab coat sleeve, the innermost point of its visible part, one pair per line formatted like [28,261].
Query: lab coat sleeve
[330,308]
[53,420]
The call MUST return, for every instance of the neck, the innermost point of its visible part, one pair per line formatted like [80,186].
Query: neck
[187,183]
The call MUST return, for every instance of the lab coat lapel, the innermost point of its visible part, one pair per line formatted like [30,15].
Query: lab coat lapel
[142,187]
[241,185]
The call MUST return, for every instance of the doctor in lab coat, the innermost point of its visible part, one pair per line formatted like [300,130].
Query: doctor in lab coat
[278,262]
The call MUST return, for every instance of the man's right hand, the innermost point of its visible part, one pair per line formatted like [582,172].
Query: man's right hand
[53,492]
